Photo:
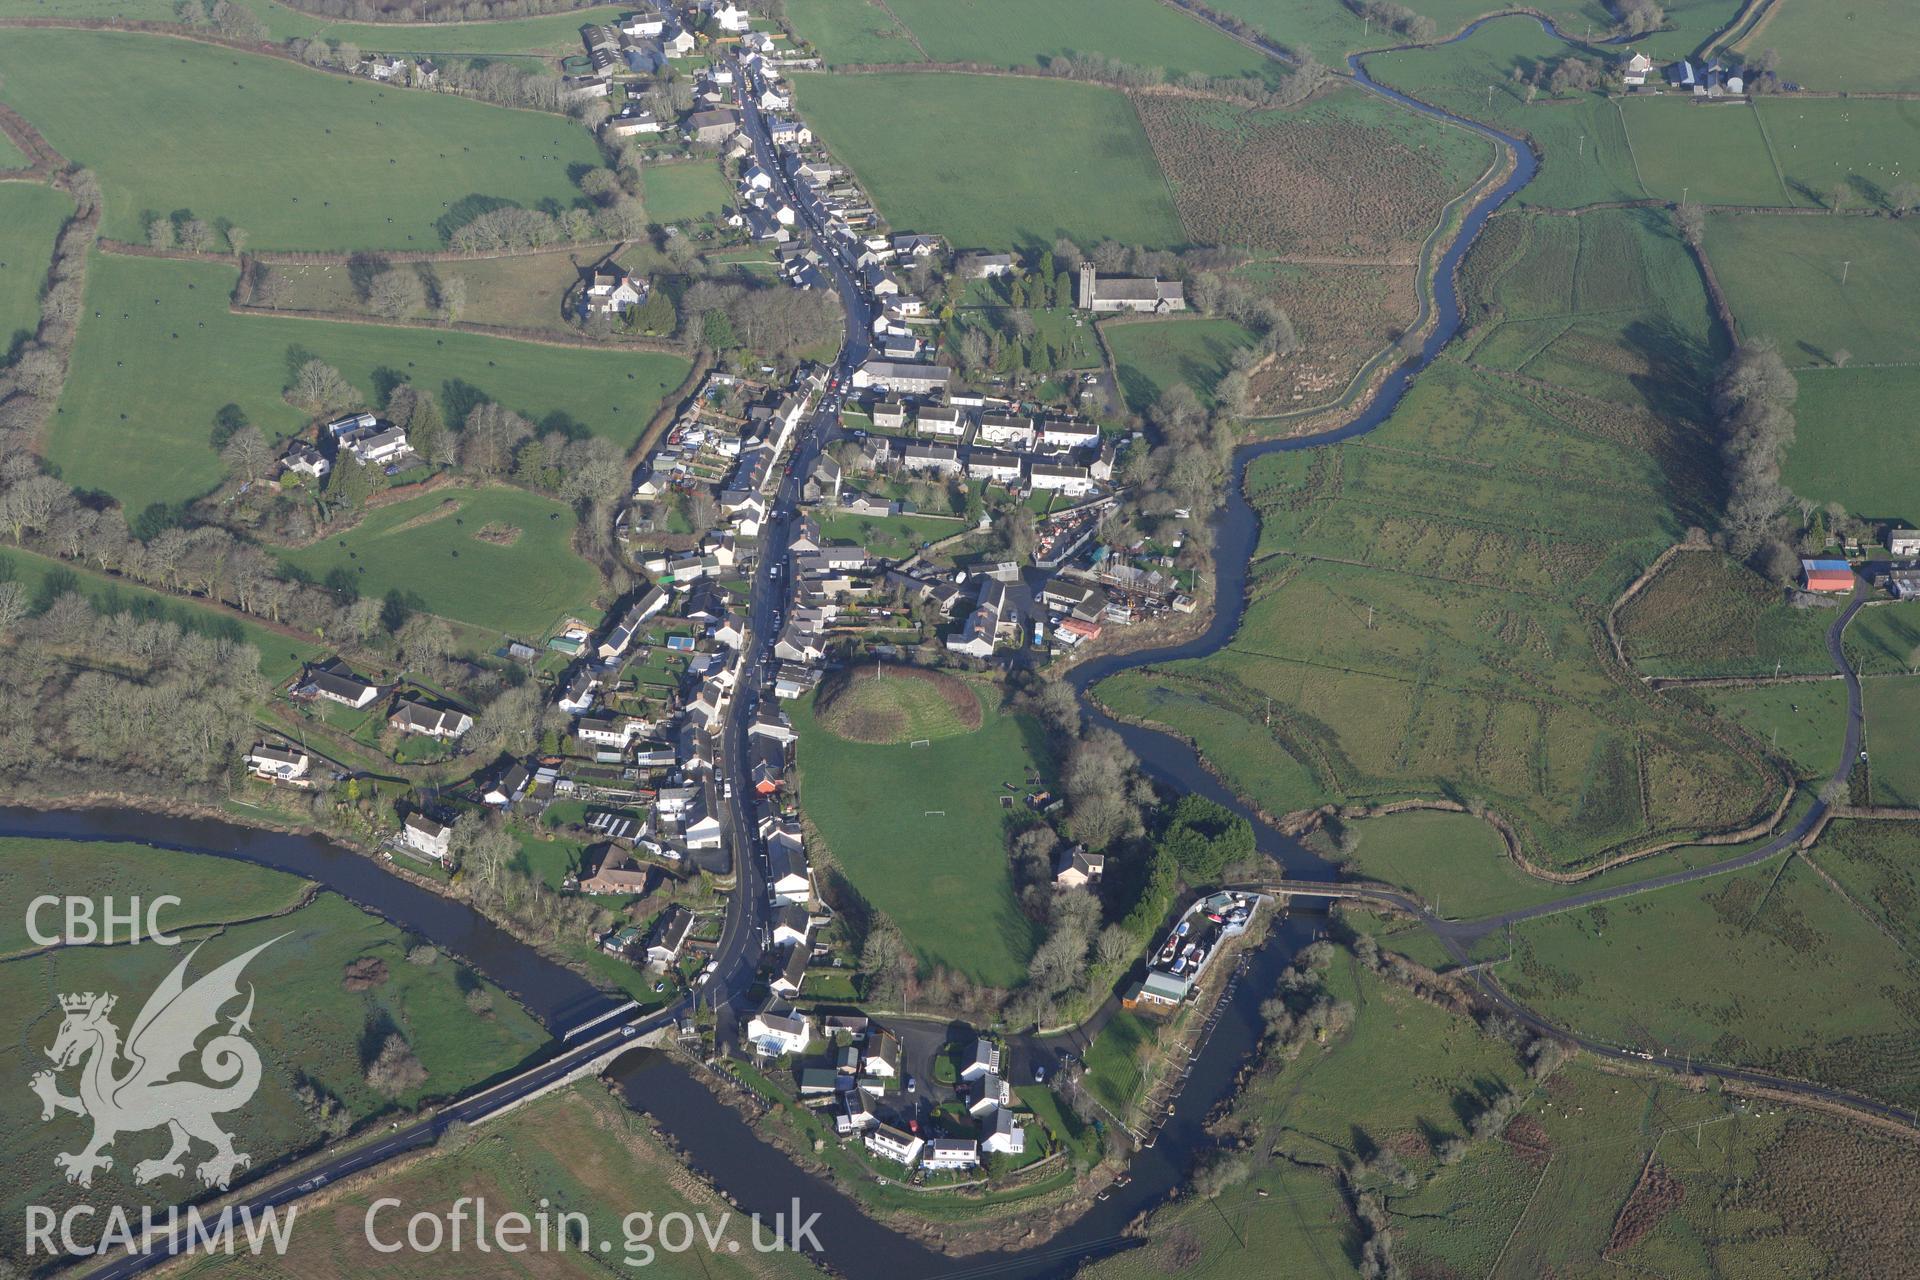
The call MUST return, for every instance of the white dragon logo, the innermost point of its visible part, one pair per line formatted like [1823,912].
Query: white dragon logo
[146,1095]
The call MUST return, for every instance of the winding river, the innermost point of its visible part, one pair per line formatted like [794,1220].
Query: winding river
[717,1141]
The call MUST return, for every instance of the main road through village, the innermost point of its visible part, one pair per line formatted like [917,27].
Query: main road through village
[738,954]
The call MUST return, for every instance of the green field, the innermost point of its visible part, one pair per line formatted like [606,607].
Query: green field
[1878,864]
[1783,279]
[300,158]
[1769,968]
[1711,153]
[1871,145]
[519,589]
[1019,33]
[522,291]
[1457,862]
[553,33]
[280,655]
[1330,31]
[163,354]
[944,880]
[575,1151]
[1850,46]
[852,32]
[893,537]
[1153,355]
[1892,705]
[684,192]
[1708,615]
[306,1023]
[30,217]
[1854,444]
[1805,722]
[991,162]
[1883,640]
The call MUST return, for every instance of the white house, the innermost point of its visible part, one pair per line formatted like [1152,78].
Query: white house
[634,124]
[894,1144]
[613,291]
[881,1057]
[609,731]
[940,458]
[984,1060]
[989,464]
[908,379]
[950,1153]
[336,682]
[1066,433]
[789,880]
[989,1091]
[1000,1135]
[778,1030]
[644,25]
[1071,480]
[1903,542]
[791,925]
[303,459]
[426,837]
[940,420]
[277,763]
[1636,69]
[731,18]
[379,447]
[1008,430]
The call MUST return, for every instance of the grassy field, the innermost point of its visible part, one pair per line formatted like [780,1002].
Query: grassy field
[1018,33]
[1346,174]
[852,32]
[684,192]
[1454,860]
[577,1151]
[1854,441]
[307,1024]
[427,547]
[1769,968]
[44,577]
[1713,153]
[301,159]
[1708,615]
[1892,703]
[1330,31]
[930,874]
[1882,640]
[524,291]
[1763,262]
[551,34]
[964,156]
[1878,864]
[1870,145]
[889,536]
[1153,355]
[30,217]
[898,707]
[1113,1061]
[1423,623]
[163,354]
[1852,46]
[1805,722]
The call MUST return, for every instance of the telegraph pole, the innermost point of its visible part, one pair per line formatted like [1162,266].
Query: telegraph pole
[1845,267]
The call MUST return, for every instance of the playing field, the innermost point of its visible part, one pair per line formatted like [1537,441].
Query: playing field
[300,158]
[1855,441]
[684,192]
[1153,355]
[992,162]
[159,354]
[307,1022]
[1016,33]
[921,834]
[429,548]
[30,217]
[896,705]
[1848,45]
[1821,286]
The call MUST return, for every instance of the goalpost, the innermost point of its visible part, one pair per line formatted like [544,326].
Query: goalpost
[920,742]
[933,813]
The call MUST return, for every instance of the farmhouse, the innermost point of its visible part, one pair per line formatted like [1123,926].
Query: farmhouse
[410,716]
[1635,69]
[1121,294]
[1827,575]
[611,291]
[277,763]
[425,836]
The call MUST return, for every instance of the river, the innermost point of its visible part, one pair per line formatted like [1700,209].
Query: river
[716,1139]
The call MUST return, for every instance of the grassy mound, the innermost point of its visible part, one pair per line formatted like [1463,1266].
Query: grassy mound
[891,704]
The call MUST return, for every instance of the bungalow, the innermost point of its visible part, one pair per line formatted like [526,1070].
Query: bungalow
[618,872]
[951,1153]
[894,1144]
[277,763]
[777,1029]
[1076,868]
[669,936]
[1827,575]
[509,787]
[983,1061]
[816,1082]
[410,716]
[987,464]
[793,971]
[908,379]
[336,682]
[939,458]
[425,836]
[584,88]
[882,1056]
[1000,1135]
[1066,478]
[865,504]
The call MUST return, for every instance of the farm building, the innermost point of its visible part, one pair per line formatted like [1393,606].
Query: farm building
[1827,575]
